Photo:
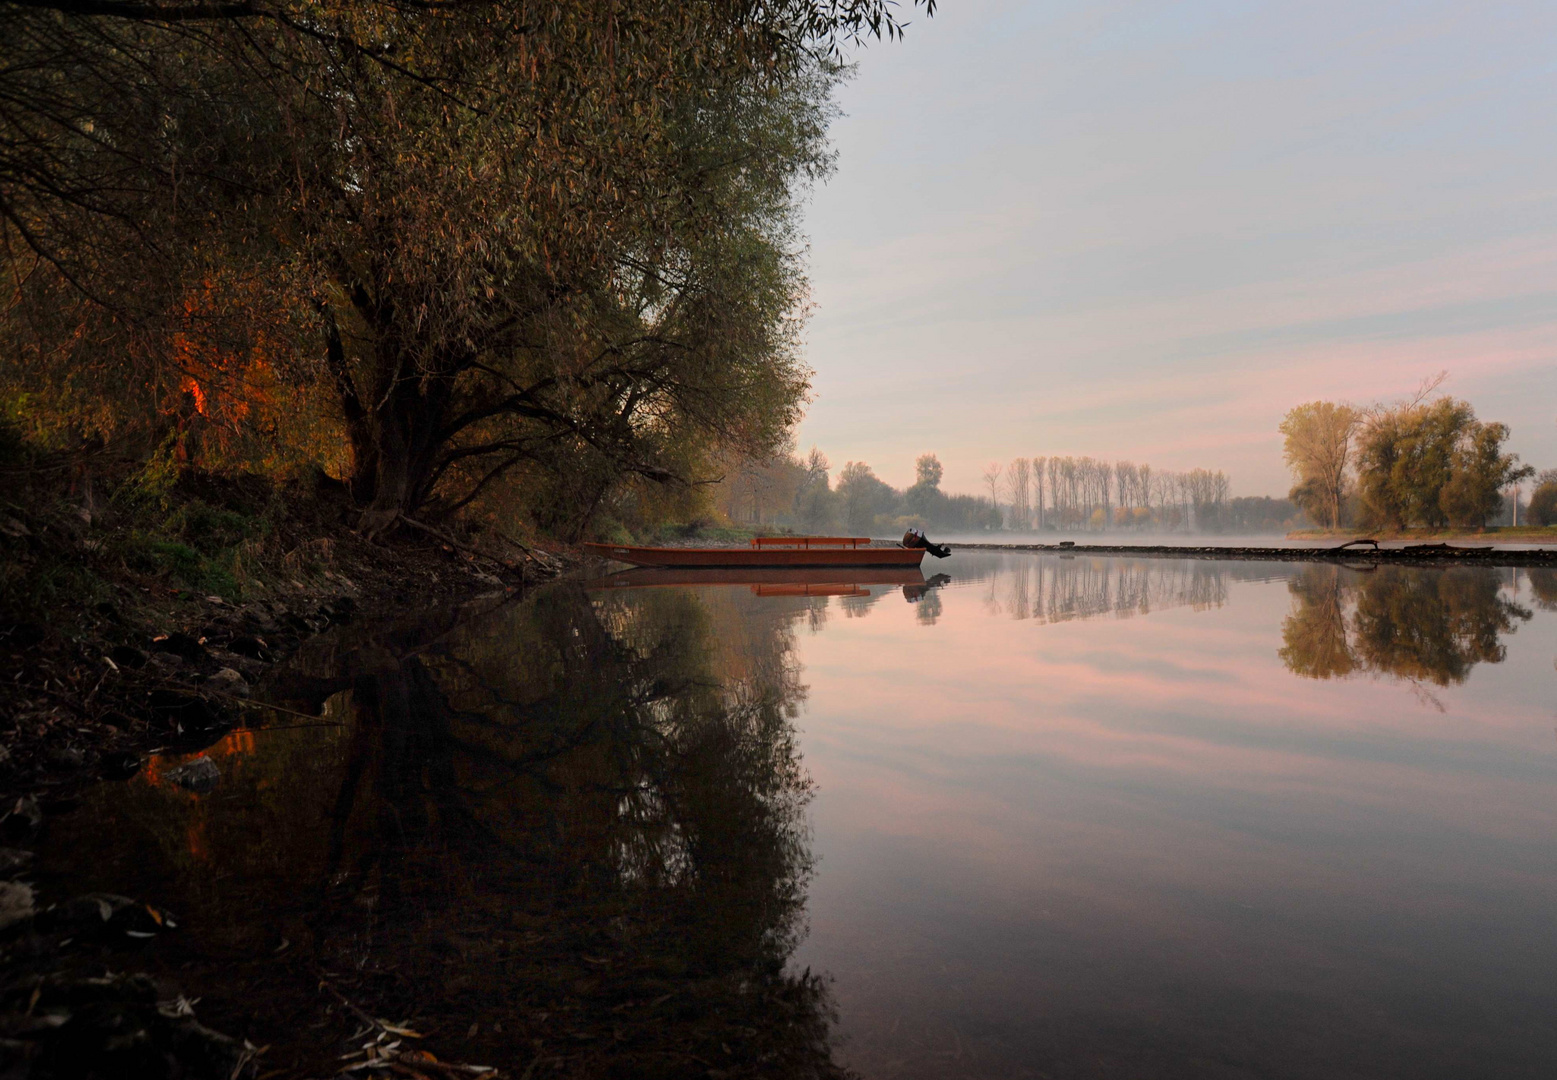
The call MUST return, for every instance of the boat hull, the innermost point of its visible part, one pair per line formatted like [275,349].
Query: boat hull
[758,558]
[766,581]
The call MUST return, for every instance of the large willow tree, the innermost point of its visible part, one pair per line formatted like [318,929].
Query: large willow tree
[499,234]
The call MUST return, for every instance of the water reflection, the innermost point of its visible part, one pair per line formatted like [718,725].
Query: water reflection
[1543,585]
[573,828]
[1059,589]
[1095,826]
[1072,816]
[1424,626]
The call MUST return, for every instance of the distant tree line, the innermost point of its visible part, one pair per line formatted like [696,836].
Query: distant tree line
[1087,493]
[1424,462]
[1040,493]
[791,491]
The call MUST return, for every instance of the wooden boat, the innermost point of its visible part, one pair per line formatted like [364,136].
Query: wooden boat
[767,551]
[767,581]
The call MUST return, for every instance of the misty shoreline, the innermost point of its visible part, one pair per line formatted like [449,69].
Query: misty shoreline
[1428,554]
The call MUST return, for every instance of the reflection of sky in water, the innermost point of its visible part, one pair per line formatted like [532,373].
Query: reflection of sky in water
[1086,821]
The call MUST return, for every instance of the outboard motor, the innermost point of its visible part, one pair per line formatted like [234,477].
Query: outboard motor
[914,538]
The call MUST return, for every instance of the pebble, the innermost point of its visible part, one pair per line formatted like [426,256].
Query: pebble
[200,775]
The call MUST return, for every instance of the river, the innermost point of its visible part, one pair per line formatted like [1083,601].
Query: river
[1040,816]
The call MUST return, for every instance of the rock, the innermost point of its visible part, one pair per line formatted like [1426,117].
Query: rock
[23,819]
[128,656]
[199,775]
[13,861]
[104,917]
[121,765]
[251,670]
[66,757]
[228,681]
[183,711]
[180,645]
[116,1026]
[166,661]
[16,903]
[255,648]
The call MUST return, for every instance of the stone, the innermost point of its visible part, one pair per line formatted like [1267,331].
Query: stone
[255,648]
[128,656]
[228,681]
[17,903]
[183,711]
[179,644]
[199,775]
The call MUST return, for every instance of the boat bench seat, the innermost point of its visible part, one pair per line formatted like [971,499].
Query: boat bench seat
[809,541]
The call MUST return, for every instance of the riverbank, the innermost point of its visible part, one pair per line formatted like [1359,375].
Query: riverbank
[1493,534]
[127,628]
[1351,552]
[132,625]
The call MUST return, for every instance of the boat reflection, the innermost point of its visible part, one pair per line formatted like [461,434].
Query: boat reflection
[825,581]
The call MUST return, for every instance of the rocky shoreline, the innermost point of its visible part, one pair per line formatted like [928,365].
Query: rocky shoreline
[91,692]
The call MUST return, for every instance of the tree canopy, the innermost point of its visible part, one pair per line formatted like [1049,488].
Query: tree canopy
[480,239]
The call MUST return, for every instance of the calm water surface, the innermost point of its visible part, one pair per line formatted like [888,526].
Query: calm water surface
[1052,817]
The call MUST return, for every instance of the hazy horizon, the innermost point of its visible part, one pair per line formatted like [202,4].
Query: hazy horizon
[1145,234]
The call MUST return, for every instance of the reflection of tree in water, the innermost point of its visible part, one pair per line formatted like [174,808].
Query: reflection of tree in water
[1421,625]
[574,812]
[1066,588]
[1314,635]
[579,818]
[1543,586]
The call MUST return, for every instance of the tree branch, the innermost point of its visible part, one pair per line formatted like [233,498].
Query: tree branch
[152,12]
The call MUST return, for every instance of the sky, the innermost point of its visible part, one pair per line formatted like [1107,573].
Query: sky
[1145,230]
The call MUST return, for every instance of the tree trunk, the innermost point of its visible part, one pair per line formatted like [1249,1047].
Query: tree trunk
[395,449]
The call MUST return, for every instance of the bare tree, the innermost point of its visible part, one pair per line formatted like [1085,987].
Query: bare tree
[1126,481]
[1038,488]
[992,481]
[1018,487]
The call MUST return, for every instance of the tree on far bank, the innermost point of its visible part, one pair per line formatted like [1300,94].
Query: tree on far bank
[816,504]
[1433,464]
[863,495]
[1543,500]
[1318,450]
[1480,473]
[928,471]
[992,481]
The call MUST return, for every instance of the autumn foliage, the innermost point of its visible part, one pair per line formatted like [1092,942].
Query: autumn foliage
[514,260]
